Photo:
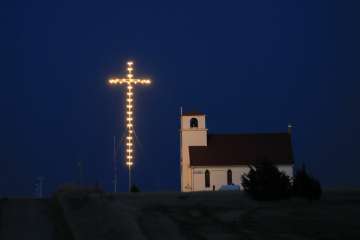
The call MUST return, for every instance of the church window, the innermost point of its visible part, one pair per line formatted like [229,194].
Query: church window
[207,178]
[193,123]
[229,177]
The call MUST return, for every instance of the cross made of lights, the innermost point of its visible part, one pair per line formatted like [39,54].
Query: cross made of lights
[130,81]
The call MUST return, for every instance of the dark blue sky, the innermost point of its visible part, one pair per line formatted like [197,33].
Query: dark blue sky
[251,66]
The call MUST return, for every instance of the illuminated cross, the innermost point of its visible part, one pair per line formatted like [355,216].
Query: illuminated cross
[130,81]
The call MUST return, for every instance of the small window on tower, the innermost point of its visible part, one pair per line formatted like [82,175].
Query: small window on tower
[193,123]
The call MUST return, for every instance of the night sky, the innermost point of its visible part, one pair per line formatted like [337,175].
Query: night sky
[250,66]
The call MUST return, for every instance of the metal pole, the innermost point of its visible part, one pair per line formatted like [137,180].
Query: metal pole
[115,182]
[80,171]
[129,178]
[40,187]
[114,165]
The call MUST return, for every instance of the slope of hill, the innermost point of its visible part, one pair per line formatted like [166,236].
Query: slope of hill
[25,219]
[211,215]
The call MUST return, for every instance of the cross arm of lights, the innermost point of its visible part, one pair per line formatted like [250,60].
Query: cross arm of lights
[120,81]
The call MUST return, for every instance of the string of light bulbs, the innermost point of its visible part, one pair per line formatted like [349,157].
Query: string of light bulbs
[130,81]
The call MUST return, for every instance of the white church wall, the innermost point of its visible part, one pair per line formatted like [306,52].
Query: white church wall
[218,176]
[185,170]
[194,138]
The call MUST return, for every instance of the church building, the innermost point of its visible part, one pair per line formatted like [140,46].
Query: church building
[210,161]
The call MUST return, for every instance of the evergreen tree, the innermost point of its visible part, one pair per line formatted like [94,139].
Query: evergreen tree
[306,186]
[265,182]
[134,188]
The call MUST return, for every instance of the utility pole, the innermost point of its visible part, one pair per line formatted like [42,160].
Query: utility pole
[115,166]
[39,187]
[80,166]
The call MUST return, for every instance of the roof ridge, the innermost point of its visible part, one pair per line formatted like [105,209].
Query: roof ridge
[249,133]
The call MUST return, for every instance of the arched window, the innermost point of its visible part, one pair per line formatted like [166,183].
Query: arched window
[207,178]
[229,177]
[193,123]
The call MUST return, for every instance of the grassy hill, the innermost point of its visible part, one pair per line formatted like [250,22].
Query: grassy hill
[208,215]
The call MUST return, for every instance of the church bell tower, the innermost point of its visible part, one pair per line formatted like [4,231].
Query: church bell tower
[193,132]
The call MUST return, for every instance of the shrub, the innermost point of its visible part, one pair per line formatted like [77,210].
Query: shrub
[265,182]
[134,188]
[306,186]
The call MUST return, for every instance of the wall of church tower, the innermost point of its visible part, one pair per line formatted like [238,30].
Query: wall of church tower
[193,132]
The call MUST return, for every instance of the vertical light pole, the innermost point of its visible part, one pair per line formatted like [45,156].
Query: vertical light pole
[130,81]
[114,165]
[39,187]
[80,165]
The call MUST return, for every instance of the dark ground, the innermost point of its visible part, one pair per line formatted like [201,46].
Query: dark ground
[212,215]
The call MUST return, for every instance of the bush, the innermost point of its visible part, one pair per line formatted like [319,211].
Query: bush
[265,182]
[306,186]
[134,188]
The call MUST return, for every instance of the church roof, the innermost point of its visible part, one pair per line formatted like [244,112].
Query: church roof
[193,114]
[242,149]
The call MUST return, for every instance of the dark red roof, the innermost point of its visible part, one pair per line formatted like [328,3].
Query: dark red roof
[242,149]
